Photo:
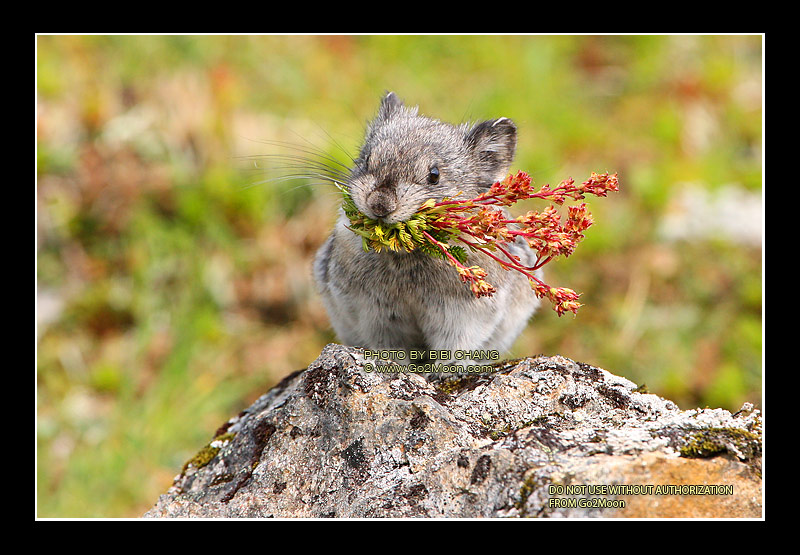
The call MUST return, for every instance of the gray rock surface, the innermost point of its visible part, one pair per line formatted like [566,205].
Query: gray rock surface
[539,437]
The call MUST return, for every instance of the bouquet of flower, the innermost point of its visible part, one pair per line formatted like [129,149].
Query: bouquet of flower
[445,228]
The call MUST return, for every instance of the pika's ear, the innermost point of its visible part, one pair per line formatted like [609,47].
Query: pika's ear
[390,105]
[493,144]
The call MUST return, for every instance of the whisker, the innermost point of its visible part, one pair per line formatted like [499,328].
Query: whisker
[312,151]
[309,161]
[335,142]
[297,176]
[298,166]
[305,163]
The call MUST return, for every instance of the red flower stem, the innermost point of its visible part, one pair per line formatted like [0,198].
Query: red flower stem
[451,202]
[512,265]
[542,263]
[520,266]
[492,199]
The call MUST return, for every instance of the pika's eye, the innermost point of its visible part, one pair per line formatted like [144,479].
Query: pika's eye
[433,175]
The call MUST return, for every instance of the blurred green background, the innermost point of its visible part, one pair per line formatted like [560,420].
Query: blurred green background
[173,281]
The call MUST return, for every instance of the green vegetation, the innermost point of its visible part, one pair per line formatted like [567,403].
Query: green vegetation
[174,273]
[207,453]
[718,441]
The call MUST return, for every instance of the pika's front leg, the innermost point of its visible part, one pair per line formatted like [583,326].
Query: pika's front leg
[464,323]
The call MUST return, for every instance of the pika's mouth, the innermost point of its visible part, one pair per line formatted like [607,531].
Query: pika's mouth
[386,206]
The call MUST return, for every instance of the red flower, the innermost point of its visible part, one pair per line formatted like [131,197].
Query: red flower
[481,225]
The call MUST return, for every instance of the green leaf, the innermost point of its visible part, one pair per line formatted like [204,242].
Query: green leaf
[458,253]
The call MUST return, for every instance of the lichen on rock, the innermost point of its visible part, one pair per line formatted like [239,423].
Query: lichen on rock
[337,441]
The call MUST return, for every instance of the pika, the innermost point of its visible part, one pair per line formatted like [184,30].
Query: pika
[409,300]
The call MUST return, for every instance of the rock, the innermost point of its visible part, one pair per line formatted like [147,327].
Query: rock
[539,437]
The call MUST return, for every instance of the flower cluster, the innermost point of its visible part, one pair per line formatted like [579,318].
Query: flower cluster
[482,226]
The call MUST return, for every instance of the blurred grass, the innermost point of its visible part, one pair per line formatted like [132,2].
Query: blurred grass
[173,289]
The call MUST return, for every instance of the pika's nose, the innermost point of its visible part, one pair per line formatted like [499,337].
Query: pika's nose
[382,202]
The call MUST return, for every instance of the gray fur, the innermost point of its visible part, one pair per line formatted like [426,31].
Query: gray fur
[400,300]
